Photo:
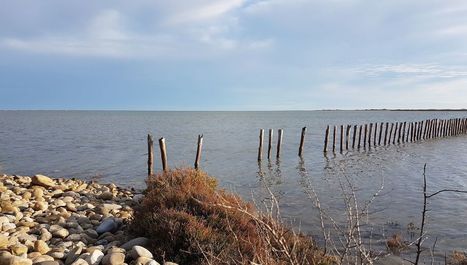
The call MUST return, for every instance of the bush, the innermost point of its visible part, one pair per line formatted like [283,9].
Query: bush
[191,221]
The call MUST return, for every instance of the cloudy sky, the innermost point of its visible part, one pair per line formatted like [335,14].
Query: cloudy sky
[233,54]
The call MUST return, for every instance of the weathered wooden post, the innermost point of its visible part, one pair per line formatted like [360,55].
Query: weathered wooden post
[260,148]
[342,139]
[364,136]
[395,133]
[163,153]
[390,133]
[347,133]
[369,135]
[410,132]
[150,155]
[359,136]
[374,135]
[403,132]
[302,142]
[354,136]
[386,133]
[271,132]
[380,133]
[400,133]
[279,143]
[326,136]
[415,124]
[334,140]
[198,151]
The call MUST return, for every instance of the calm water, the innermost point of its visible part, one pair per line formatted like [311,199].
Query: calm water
[112,146]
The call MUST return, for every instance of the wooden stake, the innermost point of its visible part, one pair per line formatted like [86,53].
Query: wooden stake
[364,136]
[400,133]
[279,143]
[271,132]
[347,133]
[342,138]
[369,135]
[386,133]
[390,133]
[405,135]
[260,148]
[380,133]
[163,153]
[334,140]
[374,135]
[359,136]
[150,155]
[354,136]
[198,151]
[326,136]
[302,142]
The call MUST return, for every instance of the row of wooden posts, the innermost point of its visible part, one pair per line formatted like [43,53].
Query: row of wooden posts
[398,132]
[163,150]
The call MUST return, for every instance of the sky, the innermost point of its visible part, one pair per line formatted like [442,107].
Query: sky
[233,54]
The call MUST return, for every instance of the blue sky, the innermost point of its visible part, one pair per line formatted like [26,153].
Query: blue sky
[233,54]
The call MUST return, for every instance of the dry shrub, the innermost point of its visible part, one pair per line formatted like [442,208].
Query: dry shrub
[458,258]
[191,221]
[396,243]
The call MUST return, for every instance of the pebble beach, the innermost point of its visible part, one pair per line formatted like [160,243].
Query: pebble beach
[48,221]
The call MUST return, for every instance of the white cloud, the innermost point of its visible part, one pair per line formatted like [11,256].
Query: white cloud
[206,11]
[432,70]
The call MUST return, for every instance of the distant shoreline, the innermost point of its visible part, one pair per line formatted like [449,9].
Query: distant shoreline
[117,110]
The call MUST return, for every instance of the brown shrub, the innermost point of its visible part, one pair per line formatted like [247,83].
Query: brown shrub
[458,258]
[396,243]
[190,221]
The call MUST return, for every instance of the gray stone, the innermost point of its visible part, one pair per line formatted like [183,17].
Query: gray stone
[139,241]
[108,225]
[73,255]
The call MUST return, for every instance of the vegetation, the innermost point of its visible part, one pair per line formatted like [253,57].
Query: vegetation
[191,221]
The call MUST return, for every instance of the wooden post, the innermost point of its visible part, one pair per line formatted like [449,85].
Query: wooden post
[374,135]
[364,136]
[380,133]
[163,153]
[334,140]
[302,142]
[260,148]
[411,132]
[326,136]
[347,133]
[271,132]
[342,138]
[359,136]
[395,133]
[279,143]
[198,151]
[415,128]
[150,155]
[390,133]
[403,132]
[369,135]
[400,133]
[354,136]
[386,133]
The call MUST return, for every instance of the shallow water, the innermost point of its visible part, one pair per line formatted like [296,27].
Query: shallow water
[111,145]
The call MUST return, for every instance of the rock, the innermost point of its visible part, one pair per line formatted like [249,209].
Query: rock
[58,231]
[45,235]
[142,261]
[42,258]
[113,258]
[74,237]
[137,198]
[73,255]
[40,206]
[41,247]
[44,181]
[107,195]
[37,192]
[153,262]
[80,262]
[19,249]
[139,251]
[48,262]
[14,260]
[95,257]
[108,225]
[170,263]
[139,241]
[3,241]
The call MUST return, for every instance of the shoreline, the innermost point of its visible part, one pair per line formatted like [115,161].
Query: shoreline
[61,221]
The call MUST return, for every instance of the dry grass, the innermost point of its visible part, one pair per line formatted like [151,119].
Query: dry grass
[458,258]
[191,221]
